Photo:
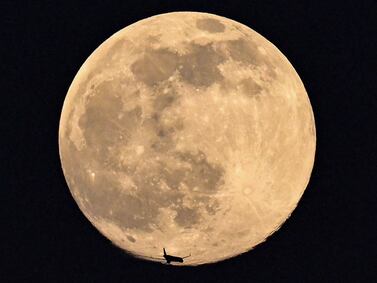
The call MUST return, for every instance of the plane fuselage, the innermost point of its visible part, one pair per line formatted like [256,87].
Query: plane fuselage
[170,258]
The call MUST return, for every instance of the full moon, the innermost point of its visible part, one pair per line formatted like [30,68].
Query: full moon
[187,131]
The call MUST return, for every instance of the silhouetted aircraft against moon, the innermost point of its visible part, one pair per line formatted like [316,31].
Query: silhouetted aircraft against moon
[171,258]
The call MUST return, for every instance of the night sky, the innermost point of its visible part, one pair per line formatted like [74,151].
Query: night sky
[328,238]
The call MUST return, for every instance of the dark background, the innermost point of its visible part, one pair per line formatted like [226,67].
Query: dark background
[330,236]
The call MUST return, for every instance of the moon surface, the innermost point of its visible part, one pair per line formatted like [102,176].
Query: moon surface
[188,131]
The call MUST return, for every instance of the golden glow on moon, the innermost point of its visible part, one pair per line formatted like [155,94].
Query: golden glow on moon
[187,131]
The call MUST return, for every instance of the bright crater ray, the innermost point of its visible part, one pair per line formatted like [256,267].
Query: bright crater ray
[187,131]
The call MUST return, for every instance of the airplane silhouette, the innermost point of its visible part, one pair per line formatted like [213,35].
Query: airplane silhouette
[171,258]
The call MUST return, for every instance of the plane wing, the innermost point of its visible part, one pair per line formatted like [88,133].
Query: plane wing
[158,258]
